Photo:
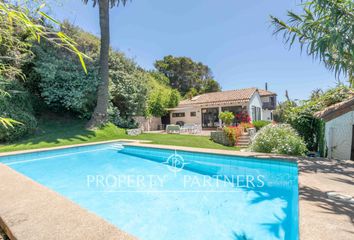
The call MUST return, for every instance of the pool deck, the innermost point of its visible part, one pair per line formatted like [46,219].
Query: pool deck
[29,210]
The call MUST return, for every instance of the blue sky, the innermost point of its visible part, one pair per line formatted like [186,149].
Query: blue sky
[233,37]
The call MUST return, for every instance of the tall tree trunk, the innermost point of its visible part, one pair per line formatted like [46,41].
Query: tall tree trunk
[100,115]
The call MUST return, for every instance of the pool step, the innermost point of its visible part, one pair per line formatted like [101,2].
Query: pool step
[116,146]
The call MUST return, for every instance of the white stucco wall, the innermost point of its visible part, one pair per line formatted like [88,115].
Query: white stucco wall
[338,135]
[266,115]
[256,102]
[187,118]
[148,124]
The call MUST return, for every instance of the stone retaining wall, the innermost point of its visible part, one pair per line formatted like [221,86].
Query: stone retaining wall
[220,137]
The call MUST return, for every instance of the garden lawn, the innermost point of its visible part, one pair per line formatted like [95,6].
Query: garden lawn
[54,133]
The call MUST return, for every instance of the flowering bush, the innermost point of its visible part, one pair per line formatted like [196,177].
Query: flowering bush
[233,133]
[280,139]
[246,125]
[243,117]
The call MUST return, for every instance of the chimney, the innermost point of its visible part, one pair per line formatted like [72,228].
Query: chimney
[287,95]
[266,86]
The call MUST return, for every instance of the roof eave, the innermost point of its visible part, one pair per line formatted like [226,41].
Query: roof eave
[336,110]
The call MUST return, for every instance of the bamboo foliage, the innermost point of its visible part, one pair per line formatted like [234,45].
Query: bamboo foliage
[324,30]
[16,21]
[8,122]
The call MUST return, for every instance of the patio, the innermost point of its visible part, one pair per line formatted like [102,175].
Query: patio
[203,132]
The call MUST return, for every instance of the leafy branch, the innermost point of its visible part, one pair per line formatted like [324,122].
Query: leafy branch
[325,29]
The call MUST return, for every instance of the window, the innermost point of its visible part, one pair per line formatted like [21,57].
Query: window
[193,114]
[258,117]
[253,113]
[271,99]
[180,114]
[256,113]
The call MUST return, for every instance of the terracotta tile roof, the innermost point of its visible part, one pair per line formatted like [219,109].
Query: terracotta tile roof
[336,110]
[265,93]
[240,95]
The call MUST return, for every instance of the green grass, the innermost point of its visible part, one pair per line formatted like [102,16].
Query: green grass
[54,133]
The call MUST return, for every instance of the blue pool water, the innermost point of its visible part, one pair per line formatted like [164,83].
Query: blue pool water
[152,195]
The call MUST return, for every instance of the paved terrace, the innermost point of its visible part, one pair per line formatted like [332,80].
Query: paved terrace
[29,210]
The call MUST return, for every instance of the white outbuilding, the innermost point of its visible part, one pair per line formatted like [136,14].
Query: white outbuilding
[339,129]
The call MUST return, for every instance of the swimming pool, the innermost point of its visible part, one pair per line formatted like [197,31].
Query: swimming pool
[165,194]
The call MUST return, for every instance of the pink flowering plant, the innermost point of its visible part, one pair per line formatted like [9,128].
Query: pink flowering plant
[243,117]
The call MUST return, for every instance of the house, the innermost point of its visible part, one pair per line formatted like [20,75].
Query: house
[339,129]
[204,109]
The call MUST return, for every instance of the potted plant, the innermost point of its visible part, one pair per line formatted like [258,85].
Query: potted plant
[226,117]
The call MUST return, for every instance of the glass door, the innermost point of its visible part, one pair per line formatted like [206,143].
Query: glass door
[210,117]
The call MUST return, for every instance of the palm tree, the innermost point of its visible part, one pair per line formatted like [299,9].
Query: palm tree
[100,115]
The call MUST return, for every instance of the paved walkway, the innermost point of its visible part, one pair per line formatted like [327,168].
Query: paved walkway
[32,211]
[321,217]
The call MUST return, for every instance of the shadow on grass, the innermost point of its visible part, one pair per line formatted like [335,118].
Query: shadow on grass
[52,131]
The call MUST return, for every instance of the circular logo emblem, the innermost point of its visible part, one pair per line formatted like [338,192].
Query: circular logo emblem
[175,163]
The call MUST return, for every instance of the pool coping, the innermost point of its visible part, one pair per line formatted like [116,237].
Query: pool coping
[3,154]
[147,143]
[31,211]
[245,154]
[316,220]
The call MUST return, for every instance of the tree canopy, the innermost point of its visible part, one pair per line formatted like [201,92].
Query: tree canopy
[187,76]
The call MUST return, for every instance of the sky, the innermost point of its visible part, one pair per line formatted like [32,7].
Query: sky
[233,37]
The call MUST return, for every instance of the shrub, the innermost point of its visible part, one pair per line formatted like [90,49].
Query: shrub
[300,115]
[17,106]
[28,125]
[128,86]
[246,125]
[243,117]
[280,139]
[119,121]
[260,123]
[58,78]
[226,117]
[233,133]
